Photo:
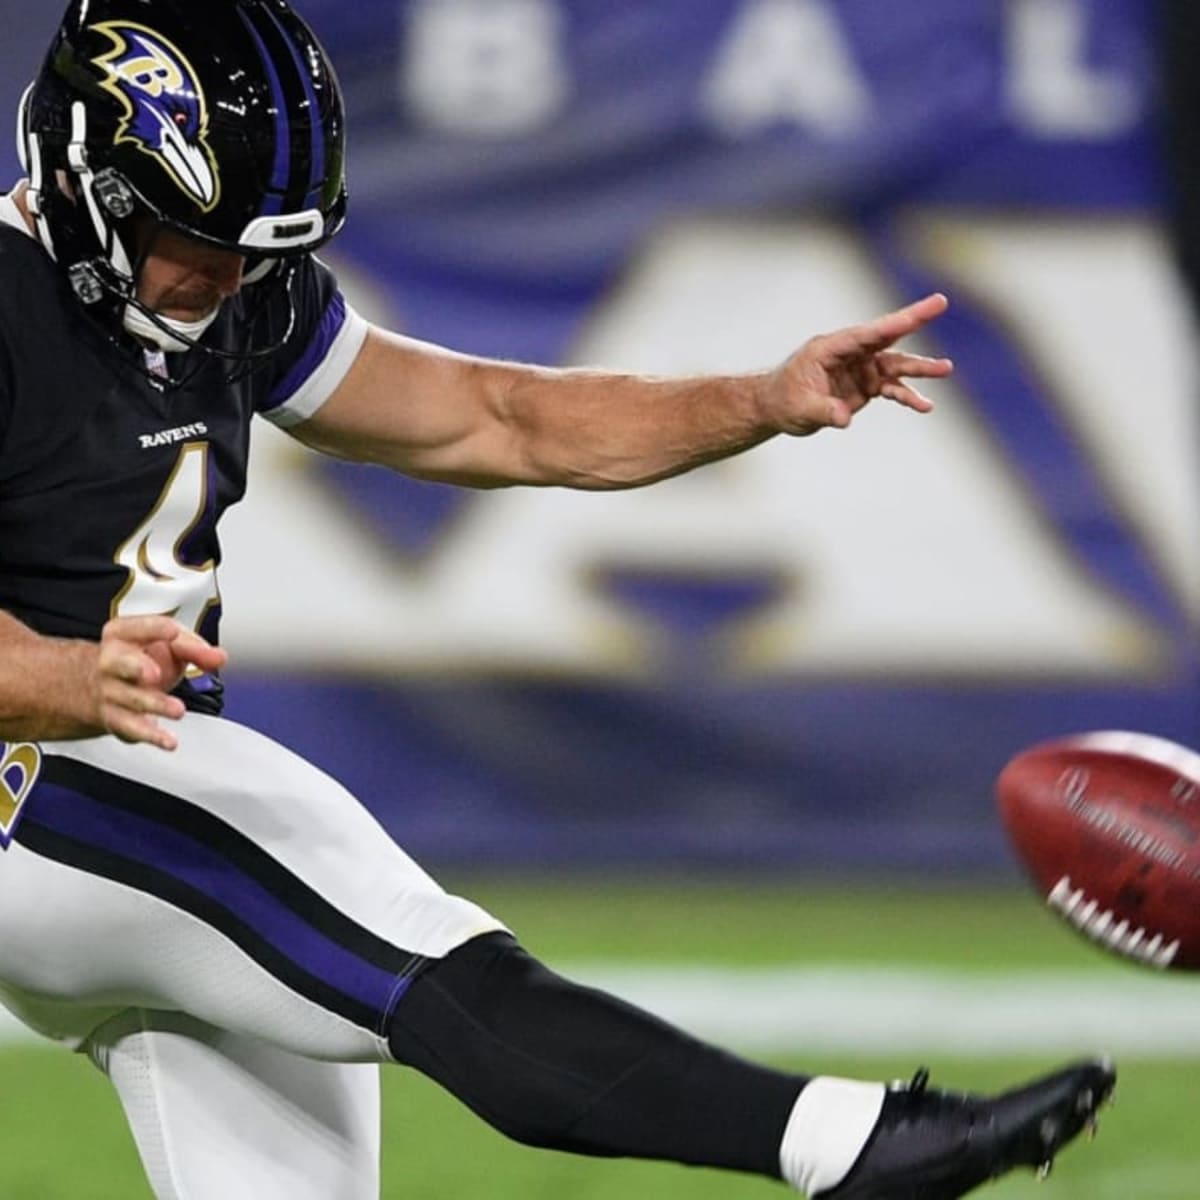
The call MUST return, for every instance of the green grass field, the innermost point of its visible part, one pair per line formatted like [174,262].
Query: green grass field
[62,1136]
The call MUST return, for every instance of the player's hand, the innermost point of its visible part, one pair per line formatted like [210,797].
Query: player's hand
[833,376]
[140,660]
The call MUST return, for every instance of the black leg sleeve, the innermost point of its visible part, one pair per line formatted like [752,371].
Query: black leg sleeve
[553,1064]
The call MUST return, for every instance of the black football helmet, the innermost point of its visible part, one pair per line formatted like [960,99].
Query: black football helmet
[222,120]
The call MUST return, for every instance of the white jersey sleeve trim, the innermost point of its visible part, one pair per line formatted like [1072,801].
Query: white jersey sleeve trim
[309,393]
[10,214]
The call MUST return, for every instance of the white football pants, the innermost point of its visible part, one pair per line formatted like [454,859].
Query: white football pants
[216,1114]
[224,930]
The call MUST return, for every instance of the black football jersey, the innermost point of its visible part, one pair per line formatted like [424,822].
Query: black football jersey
[112,487]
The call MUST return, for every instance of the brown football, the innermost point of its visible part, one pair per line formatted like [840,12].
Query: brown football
[1108,826]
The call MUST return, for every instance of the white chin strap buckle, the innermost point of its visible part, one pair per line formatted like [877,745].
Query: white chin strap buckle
[137,323]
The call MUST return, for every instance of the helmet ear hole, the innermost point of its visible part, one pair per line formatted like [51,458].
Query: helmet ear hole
[114,194]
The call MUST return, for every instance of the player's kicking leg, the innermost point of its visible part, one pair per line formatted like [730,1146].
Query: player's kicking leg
[556,1065]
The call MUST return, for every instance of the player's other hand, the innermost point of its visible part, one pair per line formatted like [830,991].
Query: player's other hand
[832,376]
[140,660]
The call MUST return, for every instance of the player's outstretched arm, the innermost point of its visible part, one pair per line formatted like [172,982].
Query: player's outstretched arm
[57,688]
[439,415]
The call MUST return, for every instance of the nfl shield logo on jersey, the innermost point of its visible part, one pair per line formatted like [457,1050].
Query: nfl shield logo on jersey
[20,763]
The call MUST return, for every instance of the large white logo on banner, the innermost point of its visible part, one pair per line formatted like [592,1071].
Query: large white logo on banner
[907,545]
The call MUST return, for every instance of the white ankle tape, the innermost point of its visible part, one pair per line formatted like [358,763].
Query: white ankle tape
[827,1131]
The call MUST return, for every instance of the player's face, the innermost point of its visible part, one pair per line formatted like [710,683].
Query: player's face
[184,279]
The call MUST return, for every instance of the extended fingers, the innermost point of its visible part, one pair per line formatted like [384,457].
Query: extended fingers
[894,367]
[143,701]
[879,334]
[130,727]
[891,327]
[129,665]
[895,364]
[140,647]
[131,712]
[141,630]
[192,649]
[906,395]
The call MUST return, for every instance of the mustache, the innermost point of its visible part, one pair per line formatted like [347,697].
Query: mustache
[200,300]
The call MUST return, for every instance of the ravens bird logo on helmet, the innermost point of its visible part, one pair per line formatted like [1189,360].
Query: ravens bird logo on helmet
[166,111]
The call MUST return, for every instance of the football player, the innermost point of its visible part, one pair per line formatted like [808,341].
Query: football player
[266,945]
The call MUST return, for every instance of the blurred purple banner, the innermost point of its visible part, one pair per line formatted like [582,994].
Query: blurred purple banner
[802,660]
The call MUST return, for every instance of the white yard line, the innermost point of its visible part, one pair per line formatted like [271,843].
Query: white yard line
[886,1010]
[883,1010]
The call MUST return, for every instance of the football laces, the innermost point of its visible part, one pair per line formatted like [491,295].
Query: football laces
[1101,926]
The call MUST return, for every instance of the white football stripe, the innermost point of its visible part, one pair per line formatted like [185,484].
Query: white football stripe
[880,1010]
[1171,755]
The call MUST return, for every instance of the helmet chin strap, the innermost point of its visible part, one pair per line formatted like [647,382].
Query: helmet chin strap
[161,331]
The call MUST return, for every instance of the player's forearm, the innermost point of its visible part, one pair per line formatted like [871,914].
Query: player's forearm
[600,431]
[436,414]
[45,685]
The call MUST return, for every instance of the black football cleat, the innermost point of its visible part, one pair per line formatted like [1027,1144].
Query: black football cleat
[935,1145]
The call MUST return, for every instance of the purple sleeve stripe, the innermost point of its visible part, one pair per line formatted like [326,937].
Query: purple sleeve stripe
[318,347]
[323,365]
